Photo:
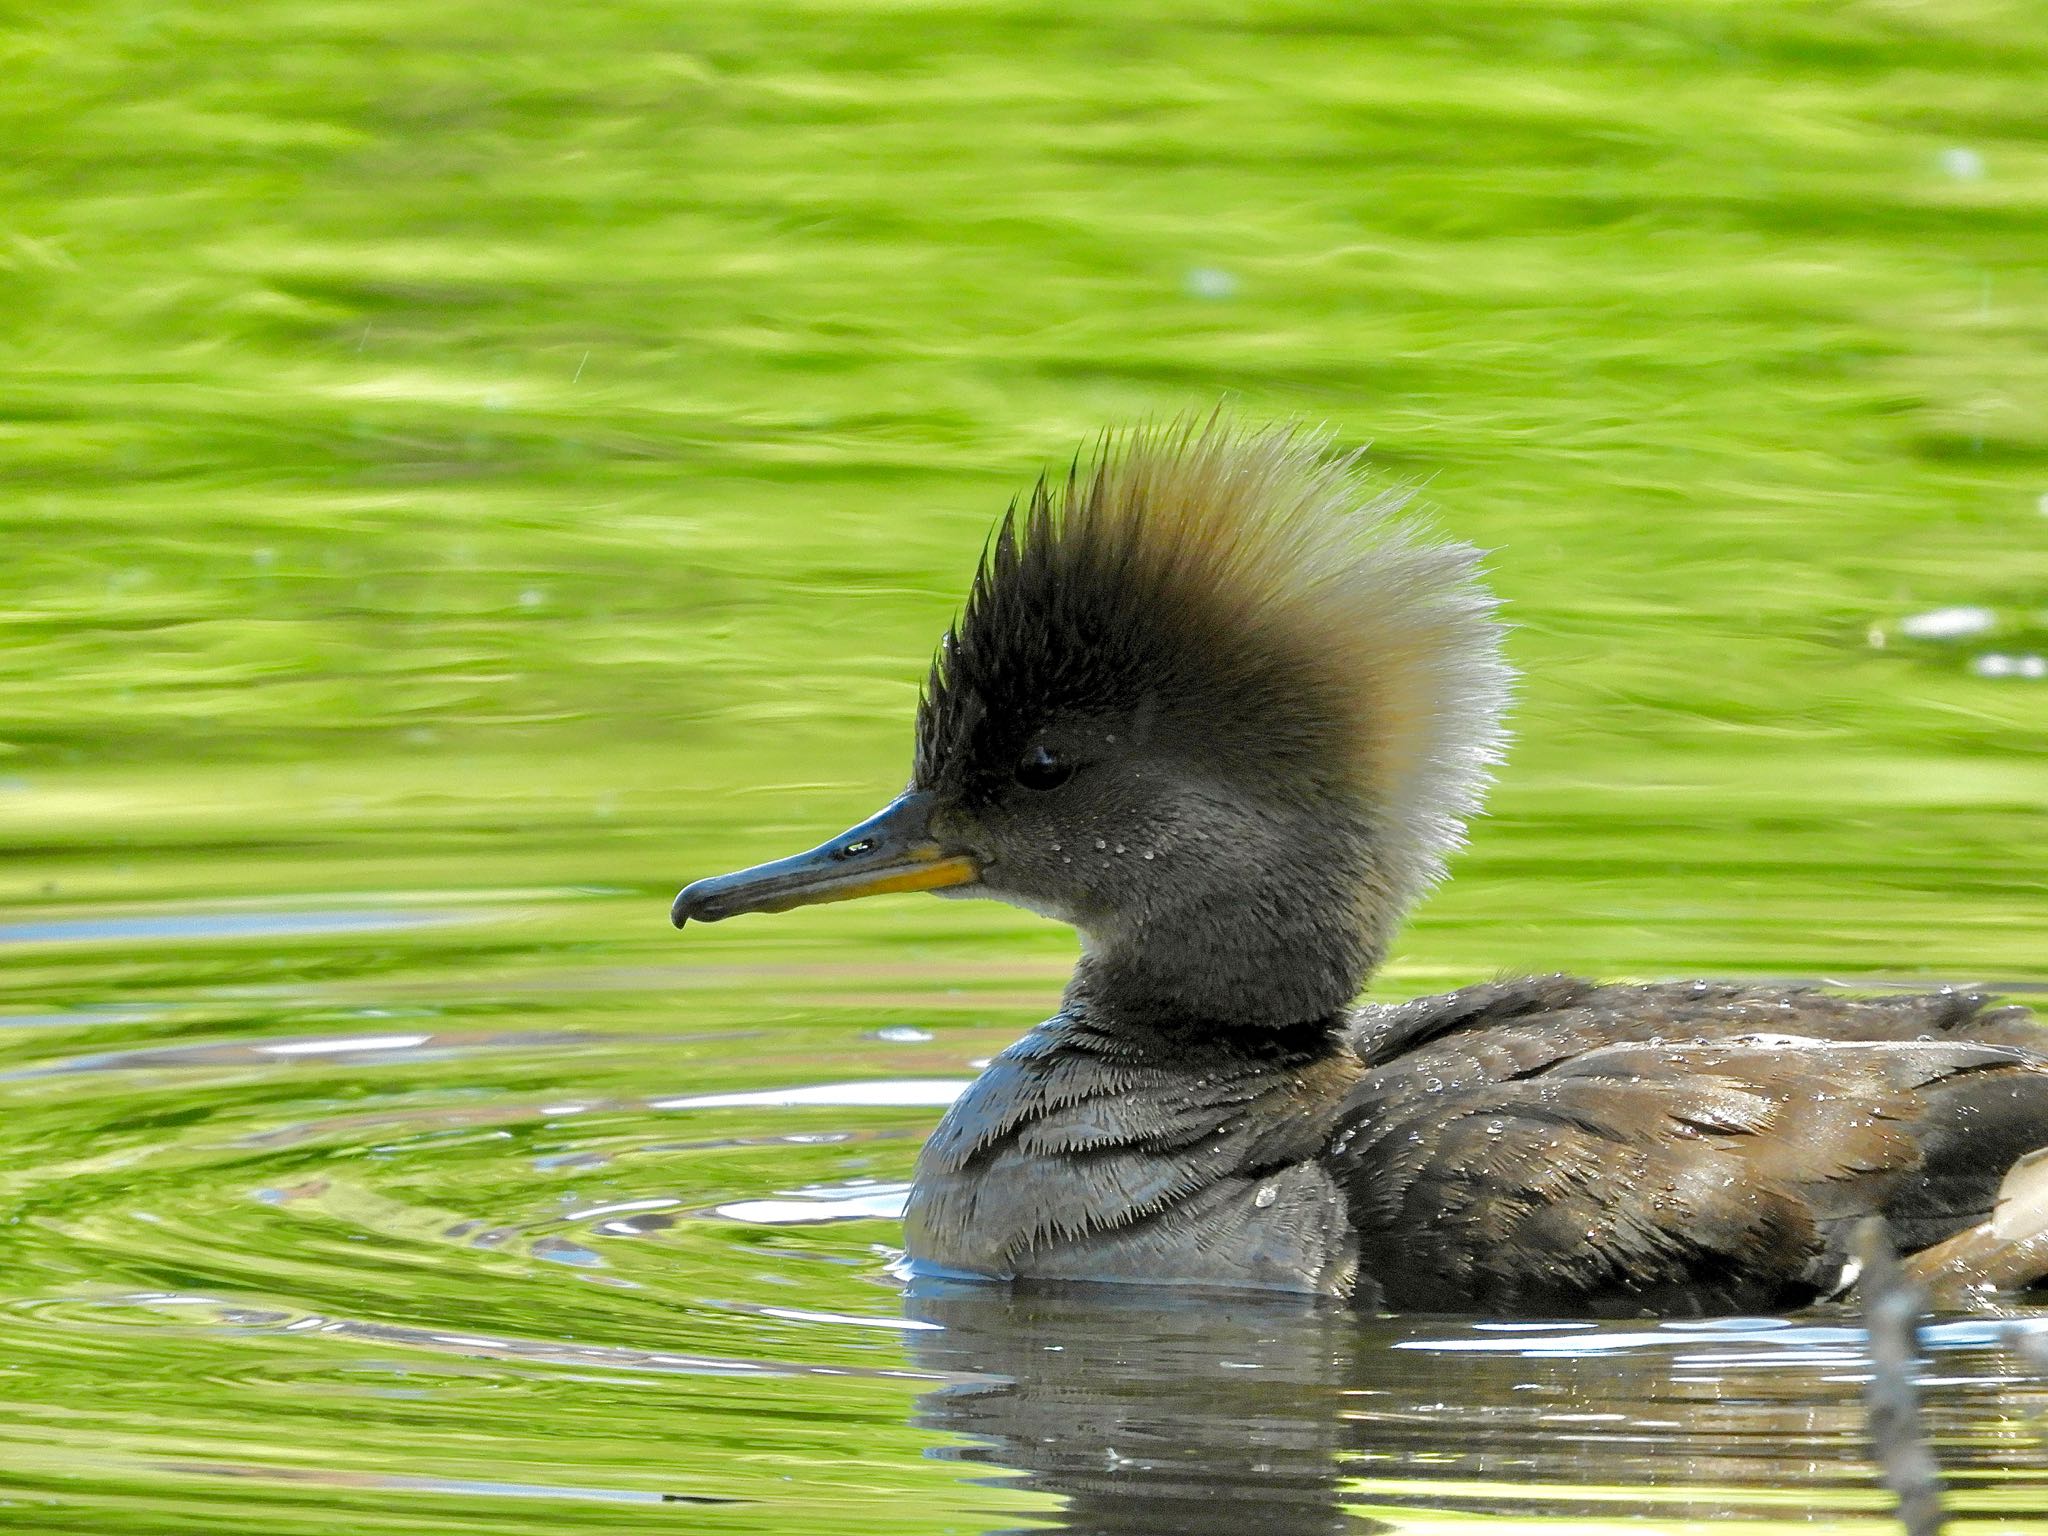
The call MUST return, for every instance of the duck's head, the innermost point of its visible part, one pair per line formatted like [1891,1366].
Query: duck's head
[1211,703]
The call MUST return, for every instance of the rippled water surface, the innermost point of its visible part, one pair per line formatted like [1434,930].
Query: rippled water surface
[466,469]
[406,1229]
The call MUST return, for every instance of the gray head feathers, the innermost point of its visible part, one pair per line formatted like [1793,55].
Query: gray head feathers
[1241,584]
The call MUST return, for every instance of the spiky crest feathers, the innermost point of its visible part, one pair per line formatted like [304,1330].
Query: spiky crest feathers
[1243,581]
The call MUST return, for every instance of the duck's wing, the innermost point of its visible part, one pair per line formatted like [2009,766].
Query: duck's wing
[1554,1146]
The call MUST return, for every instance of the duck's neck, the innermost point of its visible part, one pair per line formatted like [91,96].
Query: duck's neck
[1228,963]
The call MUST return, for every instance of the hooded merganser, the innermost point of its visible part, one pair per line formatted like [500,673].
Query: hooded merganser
[1227,715]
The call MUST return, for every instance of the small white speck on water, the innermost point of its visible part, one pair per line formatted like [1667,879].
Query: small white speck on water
[1994,664]
[2041,504]
[532,597]
[1101,843]
[1962,164]
[1119,848]
[1266,1196]
[1209,283]
[1055,847]
[902,1034]
[1147,855]
[1953,623]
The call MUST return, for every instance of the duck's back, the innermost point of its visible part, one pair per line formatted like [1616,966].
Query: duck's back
[1550,1145]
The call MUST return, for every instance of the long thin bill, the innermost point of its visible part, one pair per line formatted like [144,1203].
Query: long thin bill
[892,850]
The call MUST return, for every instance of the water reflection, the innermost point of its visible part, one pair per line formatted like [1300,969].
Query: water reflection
[102,929]
[1150,1413]
[1146,1412]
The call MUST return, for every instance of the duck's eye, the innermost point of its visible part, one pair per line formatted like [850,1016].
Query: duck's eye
[1042,768]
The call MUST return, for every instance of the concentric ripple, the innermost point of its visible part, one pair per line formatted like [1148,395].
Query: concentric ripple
[449,1236]
[435,1191]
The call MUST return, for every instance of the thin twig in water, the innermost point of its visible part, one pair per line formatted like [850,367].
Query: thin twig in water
[2031,1346]
[1892,1307]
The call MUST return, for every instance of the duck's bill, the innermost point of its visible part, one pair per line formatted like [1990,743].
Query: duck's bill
[892,850]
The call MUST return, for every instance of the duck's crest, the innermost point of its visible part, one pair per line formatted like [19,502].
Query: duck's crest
[1246,583]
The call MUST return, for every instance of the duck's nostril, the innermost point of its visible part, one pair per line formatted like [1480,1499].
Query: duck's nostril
[858,846]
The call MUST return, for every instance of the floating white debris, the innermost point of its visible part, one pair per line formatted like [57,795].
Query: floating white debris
[1947,623]
[1993,664]
[901,1034]
[1960,164]
[1210,283]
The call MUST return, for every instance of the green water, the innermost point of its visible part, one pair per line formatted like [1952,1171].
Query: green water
[466,469]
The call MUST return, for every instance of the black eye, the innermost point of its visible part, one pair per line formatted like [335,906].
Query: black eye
[1043,768]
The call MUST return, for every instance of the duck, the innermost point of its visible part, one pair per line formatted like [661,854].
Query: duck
[1226,709]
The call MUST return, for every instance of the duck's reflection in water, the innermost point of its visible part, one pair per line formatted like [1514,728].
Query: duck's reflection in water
[1147,1412]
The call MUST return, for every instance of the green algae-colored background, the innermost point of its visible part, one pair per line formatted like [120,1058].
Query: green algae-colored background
[494,462]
